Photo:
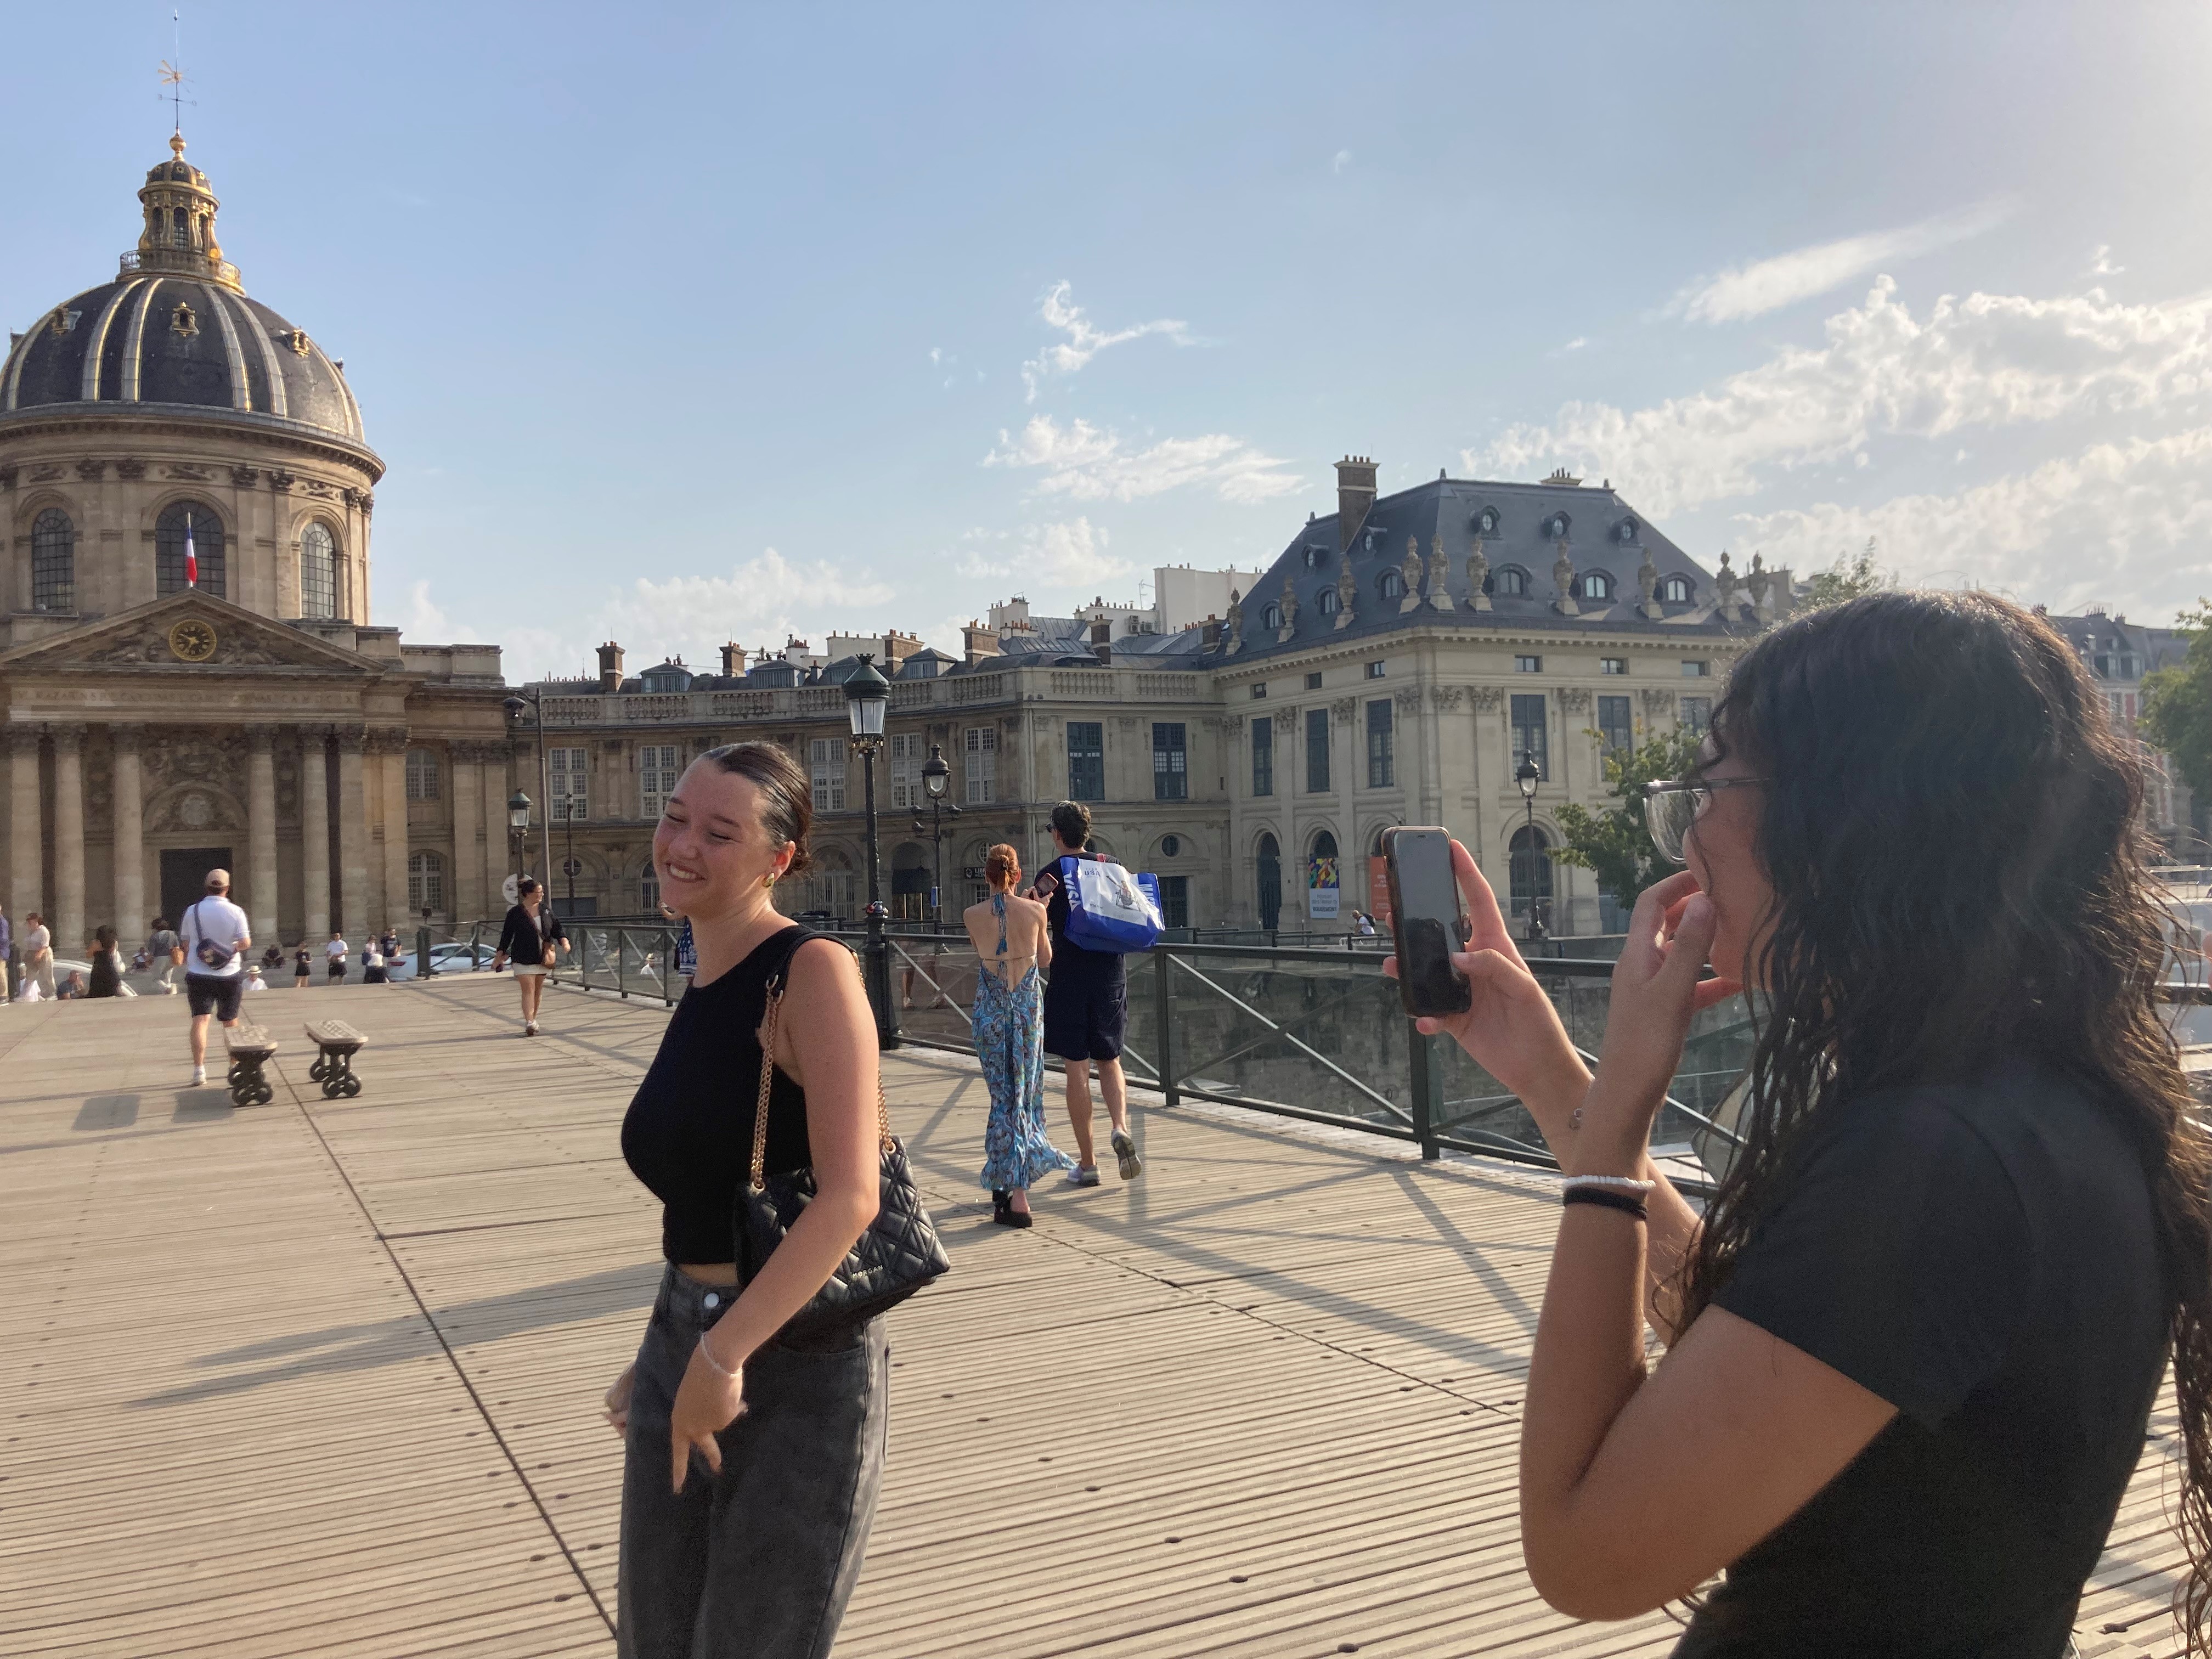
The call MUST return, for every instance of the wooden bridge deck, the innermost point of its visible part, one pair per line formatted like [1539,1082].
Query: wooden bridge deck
[323,1378]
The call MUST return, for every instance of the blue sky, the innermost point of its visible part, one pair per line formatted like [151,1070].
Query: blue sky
[680,324]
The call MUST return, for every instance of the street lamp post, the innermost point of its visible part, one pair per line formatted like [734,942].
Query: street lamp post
[518,824]
[1526,776]
[867,696]
[936,780]
[515,706]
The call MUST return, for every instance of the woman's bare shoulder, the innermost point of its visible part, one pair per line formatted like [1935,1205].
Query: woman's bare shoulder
[821,966]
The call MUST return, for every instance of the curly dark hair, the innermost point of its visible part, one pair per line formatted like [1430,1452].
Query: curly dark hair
[1953,834]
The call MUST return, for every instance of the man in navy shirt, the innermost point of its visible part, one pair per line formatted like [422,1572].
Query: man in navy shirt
[1086,1010]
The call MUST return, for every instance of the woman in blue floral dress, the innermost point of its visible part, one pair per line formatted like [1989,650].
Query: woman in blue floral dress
[1010,935]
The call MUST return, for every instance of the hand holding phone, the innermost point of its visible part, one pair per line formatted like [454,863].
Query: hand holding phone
[1428,919]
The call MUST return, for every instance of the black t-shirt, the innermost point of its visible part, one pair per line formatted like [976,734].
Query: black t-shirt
[1070,963]
[1984,1257]
[688,1133]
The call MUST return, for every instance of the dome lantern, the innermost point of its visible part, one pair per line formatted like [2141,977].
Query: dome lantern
[180,234]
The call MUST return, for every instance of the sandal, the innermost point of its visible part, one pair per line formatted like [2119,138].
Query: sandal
[1003,1212]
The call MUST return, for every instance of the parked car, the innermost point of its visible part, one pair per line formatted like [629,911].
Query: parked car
[64,966]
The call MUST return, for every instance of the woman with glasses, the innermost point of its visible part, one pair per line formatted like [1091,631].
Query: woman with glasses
[1914,1340]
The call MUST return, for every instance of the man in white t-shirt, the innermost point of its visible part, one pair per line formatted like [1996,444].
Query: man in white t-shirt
[214,937]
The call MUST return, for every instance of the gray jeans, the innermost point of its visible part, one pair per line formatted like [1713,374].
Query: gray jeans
[759,1562]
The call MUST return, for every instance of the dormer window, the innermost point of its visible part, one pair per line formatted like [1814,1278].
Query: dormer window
[1272,617]
[1326,603]
[1675,590]
[1626,536]
[1555,527]
[183,321]
[1486,522]
[1391,586]
[1316,556]
[1594,584]
[1509,581]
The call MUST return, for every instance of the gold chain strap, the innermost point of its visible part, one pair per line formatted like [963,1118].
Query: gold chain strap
[768,1078]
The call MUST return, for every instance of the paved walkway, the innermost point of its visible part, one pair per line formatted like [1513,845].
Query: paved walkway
[322,1379]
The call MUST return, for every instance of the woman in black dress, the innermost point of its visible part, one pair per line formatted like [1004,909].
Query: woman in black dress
[106,955]
[1914,1340]
[752,1459]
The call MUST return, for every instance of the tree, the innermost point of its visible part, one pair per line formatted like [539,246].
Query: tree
[1614,844]
[2177,707]
[1851,575]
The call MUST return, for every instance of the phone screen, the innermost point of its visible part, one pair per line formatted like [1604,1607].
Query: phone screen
[1428,919]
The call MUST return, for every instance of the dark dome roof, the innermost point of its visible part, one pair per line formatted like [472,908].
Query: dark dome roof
[173,341]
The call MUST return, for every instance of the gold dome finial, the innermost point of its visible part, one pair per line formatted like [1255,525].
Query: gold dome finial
[177,145]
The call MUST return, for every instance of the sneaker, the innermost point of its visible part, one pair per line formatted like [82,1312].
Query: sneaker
[1083,1175]
[199,1077]
[530,1028]
[1126,1150]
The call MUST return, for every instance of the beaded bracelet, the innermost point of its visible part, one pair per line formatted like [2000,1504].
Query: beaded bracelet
[1606,1198]
[713,1364]
[1625,1183]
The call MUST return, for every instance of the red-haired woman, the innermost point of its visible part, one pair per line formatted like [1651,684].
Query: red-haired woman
[1010,936]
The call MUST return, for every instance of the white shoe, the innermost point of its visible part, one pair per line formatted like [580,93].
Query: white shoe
[199,1077]
[530,1028]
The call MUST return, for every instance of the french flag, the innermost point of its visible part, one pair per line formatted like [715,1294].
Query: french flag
[191,559]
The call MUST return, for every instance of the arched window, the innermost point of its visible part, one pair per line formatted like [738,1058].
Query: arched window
[1532,872]
[1391,586]
[426,881]
[1272,617]
[53,562]
[1675,590]
[648,888]
[205,529]
[318,574]
[422,775]
[1510,582]
[1595,585]
[1270,867]
[1555,527]
[1326,603]
[1324,847]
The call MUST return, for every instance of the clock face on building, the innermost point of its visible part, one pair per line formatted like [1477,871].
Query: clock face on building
[192,641]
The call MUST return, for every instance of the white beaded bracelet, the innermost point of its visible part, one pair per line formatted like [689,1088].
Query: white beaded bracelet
[1624,1183]
[713,1364]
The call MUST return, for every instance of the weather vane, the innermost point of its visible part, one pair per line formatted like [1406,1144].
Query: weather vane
[172,74]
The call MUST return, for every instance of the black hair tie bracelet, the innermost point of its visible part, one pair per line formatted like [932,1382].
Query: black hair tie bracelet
[1626,1203]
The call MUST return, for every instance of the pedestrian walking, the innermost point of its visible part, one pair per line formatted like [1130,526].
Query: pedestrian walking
[743,1534]
[166,954]
[1086,1011]
[335,953]
[388,944]
[531,938]
[1013,942]
[105,952]
[7,955]
[214,936]
[303,967]
[37,955]
[371,966]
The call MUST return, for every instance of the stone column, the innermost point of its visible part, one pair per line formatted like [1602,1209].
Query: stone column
[465,898]
[261,834]
[25,824]
[353,832]
[390,746]
[131,917]
[315,833]
[69,840]
[496,865]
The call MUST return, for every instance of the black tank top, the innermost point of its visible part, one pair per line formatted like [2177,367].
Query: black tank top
[688,1133]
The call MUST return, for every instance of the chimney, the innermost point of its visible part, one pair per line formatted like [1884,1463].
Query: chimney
[977,643]
[733,661]
[1102,643]
[610,674]
[1355,494]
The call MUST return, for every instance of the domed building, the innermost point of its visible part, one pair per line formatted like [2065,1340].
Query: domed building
[187,669]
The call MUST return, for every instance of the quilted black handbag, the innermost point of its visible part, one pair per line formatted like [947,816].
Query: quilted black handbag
[896,1255]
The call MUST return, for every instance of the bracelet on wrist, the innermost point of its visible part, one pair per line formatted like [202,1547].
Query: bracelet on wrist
[1606,1198]
[714,1364]
[1625,1183]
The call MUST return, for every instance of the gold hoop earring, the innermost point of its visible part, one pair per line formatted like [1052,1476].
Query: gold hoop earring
[768,880]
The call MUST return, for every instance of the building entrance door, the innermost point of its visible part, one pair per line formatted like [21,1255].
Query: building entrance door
[183,877]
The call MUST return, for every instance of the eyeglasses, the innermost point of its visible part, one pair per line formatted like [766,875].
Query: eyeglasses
[1670,808]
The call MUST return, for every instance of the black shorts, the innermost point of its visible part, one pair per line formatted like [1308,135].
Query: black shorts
[1086,1014]
[209,995]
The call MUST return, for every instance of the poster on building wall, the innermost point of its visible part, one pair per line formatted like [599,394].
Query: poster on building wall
[1379,892]
[1320,889]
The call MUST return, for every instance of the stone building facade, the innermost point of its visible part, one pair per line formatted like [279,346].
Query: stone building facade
[186,668]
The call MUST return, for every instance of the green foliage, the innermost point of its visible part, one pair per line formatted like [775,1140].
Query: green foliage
[2177,708]
[1613,844]
[1851,575]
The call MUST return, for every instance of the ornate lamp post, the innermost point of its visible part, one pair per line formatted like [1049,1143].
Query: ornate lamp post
[867,696]
[936,780]
[518,824]
[516,706]
[1526,776]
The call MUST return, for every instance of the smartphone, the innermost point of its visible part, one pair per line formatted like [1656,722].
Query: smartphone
[1428,919]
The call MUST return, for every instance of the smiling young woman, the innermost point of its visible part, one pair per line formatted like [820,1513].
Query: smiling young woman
[1914,1340]
[753,1460]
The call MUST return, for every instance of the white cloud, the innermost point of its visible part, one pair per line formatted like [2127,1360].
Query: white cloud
[1767,285]
[1084,340]
[1340,160]
[1987,360]
[423,622]
[1086,463]
[2100,262]
[2129,524]
[1070,554]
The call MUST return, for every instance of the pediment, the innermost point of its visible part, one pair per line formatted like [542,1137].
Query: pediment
[183,634]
